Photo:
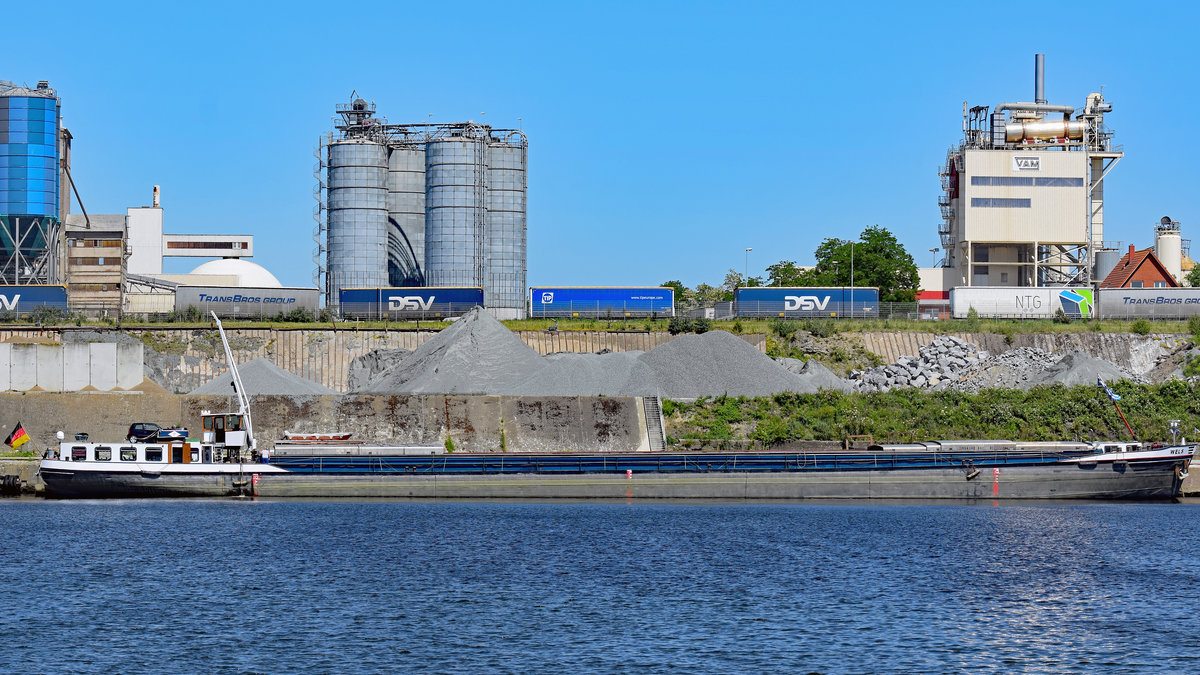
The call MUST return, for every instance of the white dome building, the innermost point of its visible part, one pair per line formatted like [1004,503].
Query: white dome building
[248,274]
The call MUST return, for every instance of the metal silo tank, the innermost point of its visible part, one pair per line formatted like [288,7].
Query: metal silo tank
[357,216]
[1168,247]
[455,206]
[406,215]
[1106,261]
[504,277]
[30,125]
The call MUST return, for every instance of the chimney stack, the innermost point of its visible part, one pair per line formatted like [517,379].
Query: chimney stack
[156,196]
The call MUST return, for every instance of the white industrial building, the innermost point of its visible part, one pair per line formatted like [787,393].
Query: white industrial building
[1023,193]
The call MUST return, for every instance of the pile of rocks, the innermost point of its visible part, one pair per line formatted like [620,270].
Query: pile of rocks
[942,361]
[1013,369]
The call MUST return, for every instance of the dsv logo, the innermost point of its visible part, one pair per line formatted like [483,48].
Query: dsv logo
[807,303]
[400,303]
[9,303]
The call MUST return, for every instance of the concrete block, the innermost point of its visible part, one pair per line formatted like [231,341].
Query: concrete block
[50,367]
[23,374]
[5,365]
[77,365]
[103,365]
[130,367]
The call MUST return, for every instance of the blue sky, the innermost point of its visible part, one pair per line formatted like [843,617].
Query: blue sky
[665,137]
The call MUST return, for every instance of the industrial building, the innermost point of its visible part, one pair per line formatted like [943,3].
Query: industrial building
[421,205]
[33,146]
[1023,192]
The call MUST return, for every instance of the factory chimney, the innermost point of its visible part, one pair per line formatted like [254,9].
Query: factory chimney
[1039,78]
[156,196]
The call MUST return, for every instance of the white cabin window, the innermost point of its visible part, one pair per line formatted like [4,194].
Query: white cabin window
[154,454]
[128,454]
[103,454]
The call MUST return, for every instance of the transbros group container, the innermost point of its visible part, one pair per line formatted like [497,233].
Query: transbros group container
[807,302]
[408,303]
[600,302]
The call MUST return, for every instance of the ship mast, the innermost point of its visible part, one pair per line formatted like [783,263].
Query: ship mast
[243,399]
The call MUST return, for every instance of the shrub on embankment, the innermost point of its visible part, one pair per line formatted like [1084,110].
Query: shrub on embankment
[1045,413]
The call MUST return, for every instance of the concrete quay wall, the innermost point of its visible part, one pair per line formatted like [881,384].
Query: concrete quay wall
[474,423]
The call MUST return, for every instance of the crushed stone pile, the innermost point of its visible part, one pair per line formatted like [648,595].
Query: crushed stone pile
[714,363]
[478,355]
[1008,370]
[604,374]
[1078,368]
[260,376]
[942,361]
[475,355]
[816,373]
[368,366]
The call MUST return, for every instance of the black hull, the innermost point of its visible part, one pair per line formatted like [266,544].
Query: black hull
[1146,480]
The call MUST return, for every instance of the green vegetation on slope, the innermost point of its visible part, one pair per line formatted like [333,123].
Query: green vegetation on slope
[1041,414]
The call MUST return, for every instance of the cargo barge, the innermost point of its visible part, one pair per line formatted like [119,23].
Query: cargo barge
[226,462]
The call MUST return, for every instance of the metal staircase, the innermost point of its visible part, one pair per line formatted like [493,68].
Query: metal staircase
[656,429]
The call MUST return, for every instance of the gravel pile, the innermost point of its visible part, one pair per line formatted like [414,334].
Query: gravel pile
[1078,368]
[368,366]
[816,374]
[475,355]
[260,376]
[713,363]
[605,374]
[942,361]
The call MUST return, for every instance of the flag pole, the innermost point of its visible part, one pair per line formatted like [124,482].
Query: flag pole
[1114,397]
[1131,434]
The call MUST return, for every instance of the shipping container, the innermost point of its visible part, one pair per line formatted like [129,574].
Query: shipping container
[1018,302]
[247,303]
[21,300]
[1149,303]
[417,302]
[798,302]
[597,302]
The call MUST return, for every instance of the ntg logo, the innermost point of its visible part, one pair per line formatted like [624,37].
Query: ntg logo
[807,303]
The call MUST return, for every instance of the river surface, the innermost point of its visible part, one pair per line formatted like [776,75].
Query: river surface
[143,586]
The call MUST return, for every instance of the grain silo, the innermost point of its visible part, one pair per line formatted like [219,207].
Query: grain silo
[452,212]
[356,205]
[504,285]
[456,209]
[406,213]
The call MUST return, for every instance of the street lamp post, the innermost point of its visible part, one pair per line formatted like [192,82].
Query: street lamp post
[851,280]
[934,251]
[746,271]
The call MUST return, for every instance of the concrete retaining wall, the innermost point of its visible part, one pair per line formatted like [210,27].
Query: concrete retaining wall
[70,367]
[475,423]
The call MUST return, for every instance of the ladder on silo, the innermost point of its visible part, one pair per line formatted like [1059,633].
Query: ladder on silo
[656,429]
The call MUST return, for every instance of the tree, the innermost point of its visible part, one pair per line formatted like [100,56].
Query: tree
[879,260]
[784,273]
[681,291]
[1193,277]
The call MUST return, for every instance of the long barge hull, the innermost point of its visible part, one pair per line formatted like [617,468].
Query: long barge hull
[660,476]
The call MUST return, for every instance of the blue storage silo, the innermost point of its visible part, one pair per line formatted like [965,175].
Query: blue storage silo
[357,235]
[504,283]
[30,123]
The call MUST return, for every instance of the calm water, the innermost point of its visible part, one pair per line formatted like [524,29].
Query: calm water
[232,586]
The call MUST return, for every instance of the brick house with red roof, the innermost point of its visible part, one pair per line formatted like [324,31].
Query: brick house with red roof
[1139,269]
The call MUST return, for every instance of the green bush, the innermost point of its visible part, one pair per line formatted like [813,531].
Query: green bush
[820,327]
[783,327]
[737,327]
[701,325]
[1141,327]
[679,324]
[1191,366]
[1060,316]
[449,444]
[1193,327]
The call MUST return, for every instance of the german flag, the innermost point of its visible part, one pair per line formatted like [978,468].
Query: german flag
[17,437]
